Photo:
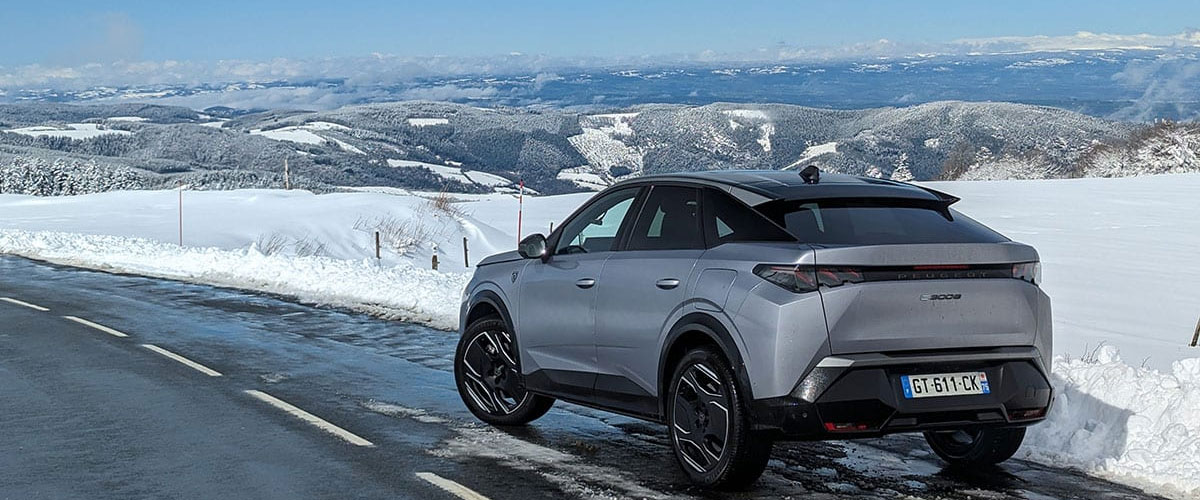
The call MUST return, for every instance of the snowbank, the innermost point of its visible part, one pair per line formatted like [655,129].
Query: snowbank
[406,293]
[1134,425]
[317,248]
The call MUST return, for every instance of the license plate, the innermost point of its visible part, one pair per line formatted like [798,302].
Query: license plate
[944,384]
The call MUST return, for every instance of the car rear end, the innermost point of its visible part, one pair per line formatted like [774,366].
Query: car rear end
[931,321]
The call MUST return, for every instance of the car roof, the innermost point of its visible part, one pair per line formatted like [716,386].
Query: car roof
[760,186]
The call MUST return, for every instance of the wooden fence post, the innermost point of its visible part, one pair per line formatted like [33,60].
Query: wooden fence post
[1196,336]
[466,260]
[377,253]
[435,262]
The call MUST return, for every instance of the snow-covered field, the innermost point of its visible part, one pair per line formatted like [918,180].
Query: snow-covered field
[451,172]
[70,130]
[426,122]
[601,143]
[307,134]
[811,153]
[1118,256]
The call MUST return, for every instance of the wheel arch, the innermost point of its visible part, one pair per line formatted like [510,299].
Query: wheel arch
[694,330]
[487,303]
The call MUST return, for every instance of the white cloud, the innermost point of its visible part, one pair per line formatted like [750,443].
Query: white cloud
[1166,81]
[1082,40]
[449,93]
[542,79]
[373,69]
[275,98]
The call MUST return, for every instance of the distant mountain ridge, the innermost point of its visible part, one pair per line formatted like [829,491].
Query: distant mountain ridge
[1124,78]
[445,146]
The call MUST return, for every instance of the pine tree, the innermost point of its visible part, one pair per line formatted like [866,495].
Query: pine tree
[902,173]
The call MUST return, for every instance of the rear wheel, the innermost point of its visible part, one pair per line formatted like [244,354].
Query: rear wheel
[709,426]
[489,377]
[976,447]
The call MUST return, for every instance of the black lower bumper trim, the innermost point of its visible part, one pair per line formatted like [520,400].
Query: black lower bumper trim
[862,402]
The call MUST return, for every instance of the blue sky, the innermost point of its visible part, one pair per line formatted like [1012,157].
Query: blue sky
[71,33]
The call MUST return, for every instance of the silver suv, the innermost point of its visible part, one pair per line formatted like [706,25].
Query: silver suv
[744,307]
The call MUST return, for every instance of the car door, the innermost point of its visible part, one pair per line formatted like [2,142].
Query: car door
[556,322]
[642,287]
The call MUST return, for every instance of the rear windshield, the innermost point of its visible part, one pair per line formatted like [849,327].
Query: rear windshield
[876,222]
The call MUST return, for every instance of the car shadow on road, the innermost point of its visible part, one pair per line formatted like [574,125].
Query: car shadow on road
[1079,425]
[1080,431]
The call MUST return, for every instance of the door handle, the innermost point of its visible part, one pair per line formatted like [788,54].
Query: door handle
[585,282]
[667,283]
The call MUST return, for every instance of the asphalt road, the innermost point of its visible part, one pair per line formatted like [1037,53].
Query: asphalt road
[241,395]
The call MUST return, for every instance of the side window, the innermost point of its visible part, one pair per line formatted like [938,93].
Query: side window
[595,229]
[806,222]
[727,220]
[669,220]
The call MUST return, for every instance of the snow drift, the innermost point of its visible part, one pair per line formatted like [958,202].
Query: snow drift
[1130,424]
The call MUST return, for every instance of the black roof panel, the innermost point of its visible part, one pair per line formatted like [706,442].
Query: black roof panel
[787,184]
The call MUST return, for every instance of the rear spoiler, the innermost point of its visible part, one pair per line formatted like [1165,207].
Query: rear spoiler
[945,199]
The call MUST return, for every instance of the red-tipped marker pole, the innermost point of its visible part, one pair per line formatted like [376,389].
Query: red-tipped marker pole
[520,209]
[180,186]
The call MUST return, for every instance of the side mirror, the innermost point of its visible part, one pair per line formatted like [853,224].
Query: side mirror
[533,247]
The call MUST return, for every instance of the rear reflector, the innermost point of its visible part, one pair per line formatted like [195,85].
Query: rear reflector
[846,427]
[807,278]
[950,267]
[1026,414]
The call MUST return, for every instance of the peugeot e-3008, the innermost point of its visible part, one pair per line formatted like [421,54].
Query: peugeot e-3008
[740,308]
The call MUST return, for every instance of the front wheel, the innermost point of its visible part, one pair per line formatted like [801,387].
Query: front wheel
[709,423]
[976,447]
[489,377]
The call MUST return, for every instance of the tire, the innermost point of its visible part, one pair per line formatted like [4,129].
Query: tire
[703,391]
[975,448]
[489,379]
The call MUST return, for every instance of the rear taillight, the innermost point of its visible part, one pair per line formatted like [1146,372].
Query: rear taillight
[802,279]
[799,279]
[807,278]
[838,276]
[1028,271]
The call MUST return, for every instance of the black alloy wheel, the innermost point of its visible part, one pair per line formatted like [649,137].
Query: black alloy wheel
[489,376]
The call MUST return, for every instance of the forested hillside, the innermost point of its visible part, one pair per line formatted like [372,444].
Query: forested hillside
[49,148]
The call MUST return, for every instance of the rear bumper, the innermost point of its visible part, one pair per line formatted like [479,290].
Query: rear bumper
[860,395]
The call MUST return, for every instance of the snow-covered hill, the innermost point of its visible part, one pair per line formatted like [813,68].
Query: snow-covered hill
[460,148]
[1118,255]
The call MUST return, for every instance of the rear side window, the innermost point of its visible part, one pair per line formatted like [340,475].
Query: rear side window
[876,222]
[727,220]
[670,220]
